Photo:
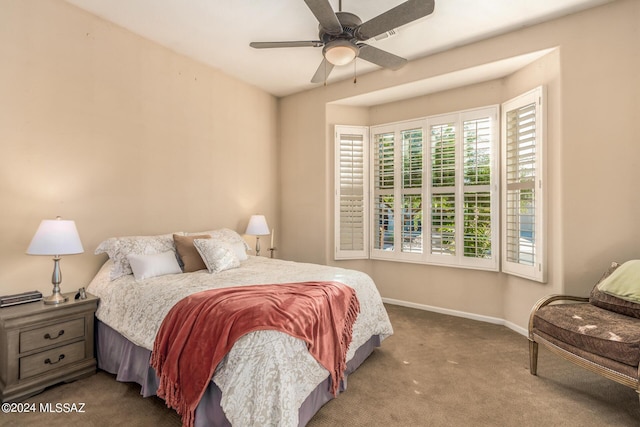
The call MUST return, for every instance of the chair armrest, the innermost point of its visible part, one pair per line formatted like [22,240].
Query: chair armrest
[548,300]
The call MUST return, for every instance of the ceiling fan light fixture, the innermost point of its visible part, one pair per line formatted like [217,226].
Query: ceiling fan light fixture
[340,52]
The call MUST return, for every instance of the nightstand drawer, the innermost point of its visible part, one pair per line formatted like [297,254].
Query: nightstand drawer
[51,359]
[51,334]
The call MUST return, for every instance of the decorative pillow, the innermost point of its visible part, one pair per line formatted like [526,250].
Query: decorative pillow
[232,238]
[624,282]
[611,302]
[146,266]
[119,247]
[217,256]
[191,259]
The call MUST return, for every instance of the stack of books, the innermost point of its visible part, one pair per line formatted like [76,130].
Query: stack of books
[31,296]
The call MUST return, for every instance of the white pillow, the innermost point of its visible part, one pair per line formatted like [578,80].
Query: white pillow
[230,237]
[146,266]
[217,256]
[118,248]
[239,248]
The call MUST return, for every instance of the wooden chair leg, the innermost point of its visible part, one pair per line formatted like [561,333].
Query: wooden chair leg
[533,357]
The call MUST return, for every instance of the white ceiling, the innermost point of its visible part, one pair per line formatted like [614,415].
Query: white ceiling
[218,32]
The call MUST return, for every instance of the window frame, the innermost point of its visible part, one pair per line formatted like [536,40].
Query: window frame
[427,190]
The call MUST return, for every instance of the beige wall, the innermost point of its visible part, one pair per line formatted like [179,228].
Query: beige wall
[601,148]
[121,135]
[592,159]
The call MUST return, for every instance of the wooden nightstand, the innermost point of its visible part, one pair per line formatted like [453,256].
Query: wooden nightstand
[42,345]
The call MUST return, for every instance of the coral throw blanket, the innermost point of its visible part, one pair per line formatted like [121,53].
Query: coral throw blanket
[201,329]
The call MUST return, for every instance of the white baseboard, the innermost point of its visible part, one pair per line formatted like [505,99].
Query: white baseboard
[472,316]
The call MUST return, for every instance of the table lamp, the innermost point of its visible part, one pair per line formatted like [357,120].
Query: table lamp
[257,227]
[56,237]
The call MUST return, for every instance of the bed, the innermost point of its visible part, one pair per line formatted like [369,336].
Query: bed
[268,377]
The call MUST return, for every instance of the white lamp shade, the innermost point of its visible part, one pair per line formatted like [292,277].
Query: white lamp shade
[340,52]
[257,226]
[56,237]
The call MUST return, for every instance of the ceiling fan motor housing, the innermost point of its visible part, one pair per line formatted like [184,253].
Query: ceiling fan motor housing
[349,23]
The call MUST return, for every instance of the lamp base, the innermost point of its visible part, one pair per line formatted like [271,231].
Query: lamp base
[55,298]
[56,278]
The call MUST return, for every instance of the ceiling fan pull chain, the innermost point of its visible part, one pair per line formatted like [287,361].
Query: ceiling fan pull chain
[355,73]
[325,72]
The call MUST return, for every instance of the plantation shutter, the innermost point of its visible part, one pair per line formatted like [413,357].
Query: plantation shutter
[397,189]
[443,188]
[480,195]
[351,192]
[523,192]
[384,191]
[463,191]
[412,171]
[423,191]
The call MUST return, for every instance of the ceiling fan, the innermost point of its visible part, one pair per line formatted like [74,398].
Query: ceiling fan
[342,35]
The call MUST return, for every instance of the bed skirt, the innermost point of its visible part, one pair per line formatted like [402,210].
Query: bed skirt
[130,363]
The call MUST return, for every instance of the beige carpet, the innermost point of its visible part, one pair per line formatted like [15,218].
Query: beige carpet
[436,370]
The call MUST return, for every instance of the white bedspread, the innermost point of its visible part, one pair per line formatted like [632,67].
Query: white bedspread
[267,374]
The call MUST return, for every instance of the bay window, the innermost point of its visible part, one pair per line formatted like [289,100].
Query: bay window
[428,190]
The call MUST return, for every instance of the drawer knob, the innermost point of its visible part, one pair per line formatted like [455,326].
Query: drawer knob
[48,361]
[49,337]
